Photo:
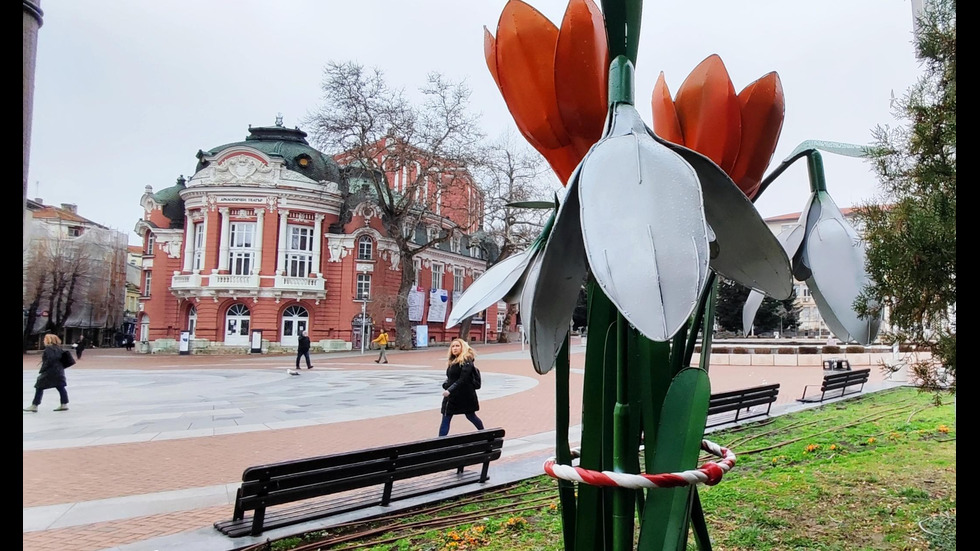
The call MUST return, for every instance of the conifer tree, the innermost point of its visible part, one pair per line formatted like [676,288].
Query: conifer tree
[911,229]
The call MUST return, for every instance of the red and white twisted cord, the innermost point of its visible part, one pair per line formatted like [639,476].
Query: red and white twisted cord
[709,473]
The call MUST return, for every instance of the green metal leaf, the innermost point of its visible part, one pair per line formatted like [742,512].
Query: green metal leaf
[531,205]
[665,517]
[566,489]
[593,514]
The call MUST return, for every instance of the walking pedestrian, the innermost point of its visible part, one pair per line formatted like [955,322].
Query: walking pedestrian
[54,360]
[382,341]
[459,391]
[129,343]
[303,350]
[80,346]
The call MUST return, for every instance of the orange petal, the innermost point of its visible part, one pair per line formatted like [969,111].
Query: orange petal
[582,72]
[525,68]
[707,109]
[490,53]
[763,108]
[665,123]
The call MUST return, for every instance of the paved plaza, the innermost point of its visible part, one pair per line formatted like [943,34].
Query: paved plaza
[151,451]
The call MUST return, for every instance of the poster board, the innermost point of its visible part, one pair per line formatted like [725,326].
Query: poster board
[256,341]
[184,345]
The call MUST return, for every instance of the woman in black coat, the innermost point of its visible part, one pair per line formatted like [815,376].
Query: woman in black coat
[52,374]
[459,394]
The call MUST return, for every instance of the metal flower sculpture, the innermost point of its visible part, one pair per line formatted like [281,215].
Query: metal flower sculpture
[826,250]
[650,216]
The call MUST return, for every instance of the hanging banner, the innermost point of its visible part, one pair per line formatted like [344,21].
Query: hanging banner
[416,303]
[438,300]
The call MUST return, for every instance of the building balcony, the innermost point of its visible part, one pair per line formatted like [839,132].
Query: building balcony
[189,281]
[289,283]
[228,281]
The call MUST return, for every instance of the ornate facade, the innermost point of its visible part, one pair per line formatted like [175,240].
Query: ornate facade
[267,236]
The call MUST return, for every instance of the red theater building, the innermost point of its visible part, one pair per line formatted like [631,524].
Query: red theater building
[270,237]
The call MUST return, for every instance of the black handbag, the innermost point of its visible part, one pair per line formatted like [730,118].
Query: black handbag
[67,360]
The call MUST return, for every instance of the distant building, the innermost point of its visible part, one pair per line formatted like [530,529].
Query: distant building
[74,274]
[271,235]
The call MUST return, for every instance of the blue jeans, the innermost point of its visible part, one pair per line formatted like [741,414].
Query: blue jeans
[446,419]
[306,355]
[38,392]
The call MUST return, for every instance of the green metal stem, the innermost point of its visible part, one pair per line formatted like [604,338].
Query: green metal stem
[623,19]
[700,315]
[622,520]
[621,85]
[705,359]
[814,165]
[566,490]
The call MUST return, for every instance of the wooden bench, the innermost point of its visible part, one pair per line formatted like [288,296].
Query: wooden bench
[838,381]
[737,400]
[424,461]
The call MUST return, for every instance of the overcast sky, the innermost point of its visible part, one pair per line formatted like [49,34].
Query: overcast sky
[126,93]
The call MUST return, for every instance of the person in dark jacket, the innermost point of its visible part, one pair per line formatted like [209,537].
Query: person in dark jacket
[51,375]
[80,346]
[459,395]
[303,350]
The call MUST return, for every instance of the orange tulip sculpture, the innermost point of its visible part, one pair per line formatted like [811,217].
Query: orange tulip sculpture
[738,132]
[552,79]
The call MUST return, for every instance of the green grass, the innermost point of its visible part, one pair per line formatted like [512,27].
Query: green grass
[873,472]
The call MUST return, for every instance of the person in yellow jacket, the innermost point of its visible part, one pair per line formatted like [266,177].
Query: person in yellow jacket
[382,341]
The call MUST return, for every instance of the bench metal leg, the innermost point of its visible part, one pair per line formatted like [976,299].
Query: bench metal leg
[258,521]
[239,513]
[484,476]
[386,496]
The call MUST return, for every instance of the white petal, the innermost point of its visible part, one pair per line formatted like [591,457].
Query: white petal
[489,288]
[836,257]
[644,231]
[558,280]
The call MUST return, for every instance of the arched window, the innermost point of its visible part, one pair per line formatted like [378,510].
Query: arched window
[365,248]
[294,320]
[237,324]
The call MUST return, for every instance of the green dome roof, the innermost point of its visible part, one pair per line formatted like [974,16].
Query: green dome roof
[288,143]
[173,205]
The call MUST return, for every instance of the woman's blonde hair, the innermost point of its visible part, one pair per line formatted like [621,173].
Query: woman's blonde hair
[51,338]
[465,353]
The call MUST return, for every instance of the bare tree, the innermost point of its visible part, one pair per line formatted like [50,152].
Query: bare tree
[509,172]
[68,278]
[53,269]
[411,159]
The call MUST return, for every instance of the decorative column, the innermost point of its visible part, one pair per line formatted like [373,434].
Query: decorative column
[204,242]
[223,239]
[317,239]
[281,243]
[188,242]
[259,223]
